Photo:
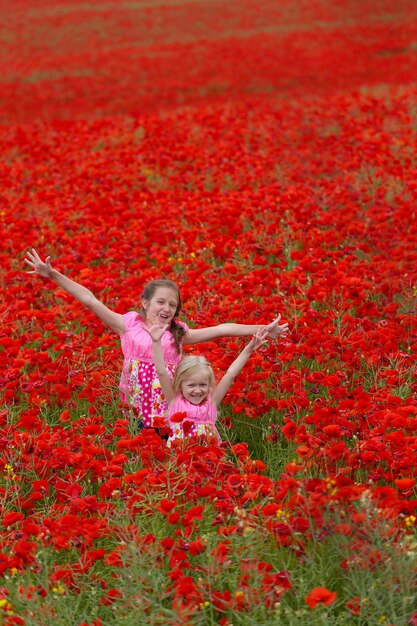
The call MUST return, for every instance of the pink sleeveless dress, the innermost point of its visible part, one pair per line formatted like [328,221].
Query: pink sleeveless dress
[200,419]
[139,383]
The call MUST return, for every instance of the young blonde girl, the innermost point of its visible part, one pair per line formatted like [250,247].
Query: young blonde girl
[192,396]
[161,302]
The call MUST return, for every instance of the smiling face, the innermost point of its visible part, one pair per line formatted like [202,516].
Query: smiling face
[196,387]
[162,306]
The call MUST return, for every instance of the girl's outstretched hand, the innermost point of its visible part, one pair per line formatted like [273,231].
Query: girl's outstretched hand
[39,267]
[259,338]
[276,330]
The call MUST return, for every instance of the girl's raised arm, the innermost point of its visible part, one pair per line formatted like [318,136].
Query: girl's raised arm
[199,335]
[236,367]
[156,333]
[44,268]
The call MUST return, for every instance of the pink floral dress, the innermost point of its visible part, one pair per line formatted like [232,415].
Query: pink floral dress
[139,383]
[200,419]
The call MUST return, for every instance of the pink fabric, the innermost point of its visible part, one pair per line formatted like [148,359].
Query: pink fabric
[201,419]
[139,383]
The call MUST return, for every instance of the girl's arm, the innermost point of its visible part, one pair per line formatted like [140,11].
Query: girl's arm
[82,294]
[156,333]
[236,367]
[198,335]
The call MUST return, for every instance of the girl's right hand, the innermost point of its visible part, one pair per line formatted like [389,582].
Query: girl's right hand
[39,267]
[155,331]
[259,339]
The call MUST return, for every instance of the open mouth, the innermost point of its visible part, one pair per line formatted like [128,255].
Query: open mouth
[197,399]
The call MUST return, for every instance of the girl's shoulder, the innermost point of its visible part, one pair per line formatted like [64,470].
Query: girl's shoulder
[183,325]
[133,320]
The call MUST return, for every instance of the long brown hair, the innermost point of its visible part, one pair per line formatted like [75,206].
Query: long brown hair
[149,291]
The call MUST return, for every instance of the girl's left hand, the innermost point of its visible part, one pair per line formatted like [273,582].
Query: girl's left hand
[276,330]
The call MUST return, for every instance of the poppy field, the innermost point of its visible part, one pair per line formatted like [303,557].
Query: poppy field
[262,155]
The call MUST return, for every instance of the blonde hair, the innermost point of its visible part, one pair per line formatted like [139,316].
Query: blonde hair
[190,365]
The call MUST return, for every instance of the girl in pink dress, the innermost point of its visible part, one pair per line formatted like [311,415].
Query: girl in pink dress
[192,396]
[161,301]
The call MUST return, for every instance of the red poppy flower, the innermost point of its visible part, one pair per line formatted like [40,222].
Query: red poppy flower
[187,427]
[111,596]
[320,595]
[11,518]
[354,605]
[289,430]
[404,483]
[413,620]
[166,506]
[178,417]
[160,422]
